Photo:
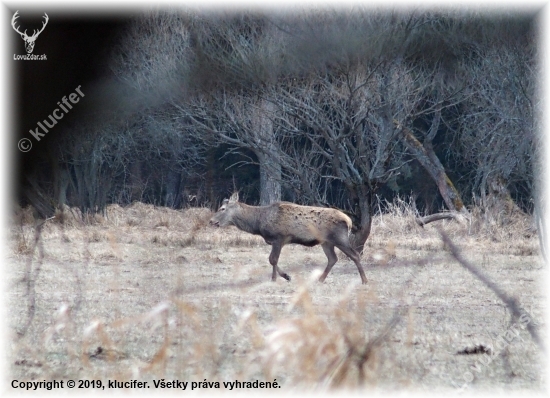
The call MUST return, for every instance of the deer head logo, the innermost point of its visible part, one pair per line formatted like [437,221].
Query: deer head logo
[29,40]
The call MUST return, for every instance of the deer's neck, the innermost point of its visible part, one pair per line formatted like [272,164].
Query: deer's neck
[248,219]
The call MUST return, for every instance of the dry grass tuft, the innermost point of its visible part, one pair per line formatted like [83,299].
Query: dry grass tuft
[512,233]
[23,216]
[328,349]
[23,242]
[22,231]
[68,216]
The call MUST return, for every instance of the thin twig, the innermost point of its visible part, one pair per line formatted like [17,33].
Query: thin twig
[511,302]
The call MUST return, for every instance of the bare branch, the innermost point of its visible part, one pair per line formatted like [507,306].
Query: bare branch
[510,302]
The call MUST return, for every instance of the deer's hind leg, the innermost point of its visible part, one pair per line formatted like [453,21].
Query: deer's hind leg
[273,260]
[351,253]
[328,248]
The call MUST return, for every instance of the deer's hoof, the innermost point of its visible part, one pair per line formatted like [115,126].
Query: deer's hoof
[286,276]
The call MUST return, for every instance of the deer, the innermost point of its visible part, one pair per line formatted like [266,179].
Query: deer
[282,223]
[29,40]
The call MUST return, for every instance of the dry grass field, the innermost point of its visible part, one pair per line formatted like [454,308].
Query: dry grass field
[147,293]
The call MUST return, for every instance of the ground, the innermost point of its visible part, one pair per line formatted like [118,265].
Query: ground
[149,293]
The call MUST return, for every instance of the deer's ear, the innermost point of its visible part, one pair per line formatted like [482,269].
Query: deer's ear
[234,197]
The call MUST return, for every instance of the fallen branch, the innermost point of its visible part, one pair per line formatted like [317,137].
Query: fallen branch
[439,216]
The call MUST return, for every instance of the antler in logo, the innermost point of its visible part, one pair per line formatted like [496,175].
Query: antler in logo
[29,40]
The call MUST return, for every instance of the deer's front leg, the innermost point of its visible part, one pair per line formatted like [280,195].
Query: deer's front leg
[274,258]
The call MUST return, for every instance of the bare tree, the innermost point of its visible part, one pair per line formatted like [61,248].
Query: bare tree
[152,58]
[498,135]
[241,120]
[152,63]
[346,116]
[344,125]
[235,58]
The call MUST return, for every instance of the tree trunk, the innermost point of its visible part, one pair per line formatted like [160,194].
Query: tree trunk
[428,159]
[363,211]
[61,183]
[172,197]
[135,181]
[267,152]
[540,222]
[270,178]
[38,198]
